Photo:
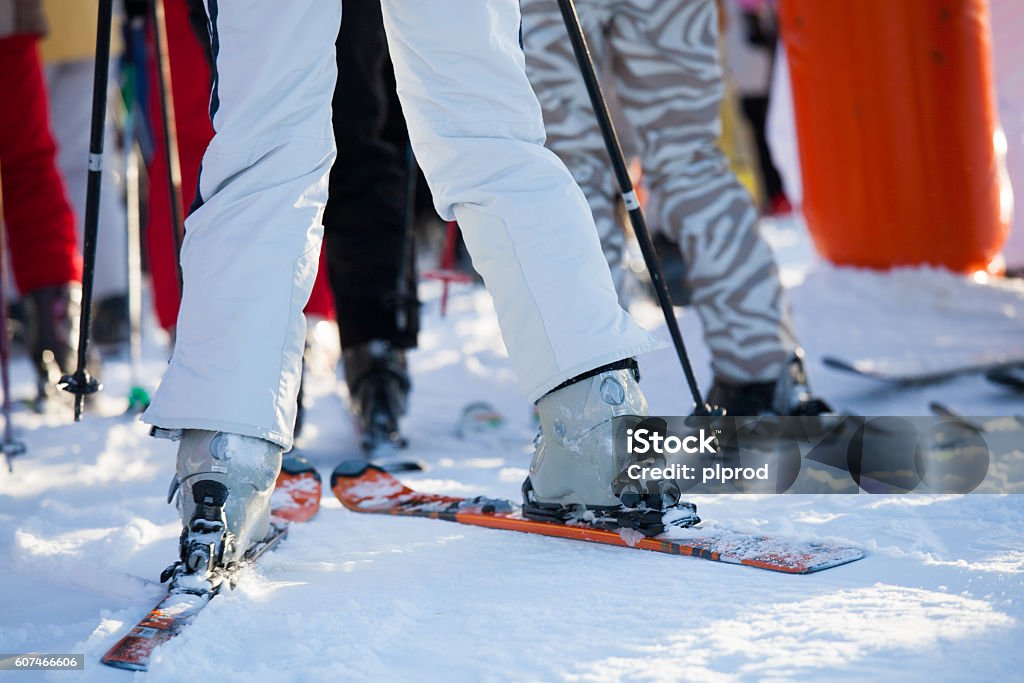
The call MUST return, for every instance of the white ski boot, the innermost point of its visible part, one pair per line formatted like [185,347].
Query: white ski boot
[224,484]
[576,469]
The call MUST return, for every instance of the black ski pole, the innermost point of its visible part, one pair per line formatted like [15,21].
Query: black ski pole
[80,383]
[636,214]
[10,447]
[171,158]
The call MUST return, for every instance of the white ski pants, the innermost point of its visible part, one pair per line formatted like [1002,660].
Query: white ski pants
[250,252]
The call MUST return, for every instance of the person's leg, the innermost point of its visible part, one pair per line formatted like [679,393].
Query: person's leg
[755,110]
[70,90]
[572,130]
[365,231]
[252,243]
[249,259]
[40,222]
[669,80]
[478,134]
[190,86]
[364,222]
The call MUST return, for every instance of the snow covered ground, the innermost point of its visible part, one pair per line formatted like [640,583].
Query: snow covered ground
[85,531]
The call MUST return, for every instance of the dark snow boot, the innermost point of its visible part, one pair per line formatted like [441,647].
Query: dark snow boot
[790,395]
[52,315]
[110,324]
[378,385]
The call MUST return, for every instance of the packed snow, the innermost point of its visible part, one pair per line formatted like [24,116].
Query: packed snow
[86,529]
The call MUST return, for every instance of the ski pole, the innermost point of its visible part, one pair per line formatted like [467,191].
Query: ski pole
[636,214]
[10,447]
[138,397]
[80,383]
[170,140]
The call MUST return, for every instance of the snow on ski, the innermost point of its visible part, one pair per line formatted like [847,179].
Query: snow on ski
[296,499]
[364,488]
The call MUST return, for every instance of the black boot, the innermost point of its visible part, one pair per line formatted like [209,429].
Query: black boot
[790,395]
[378,384]
[52,315]
[110,323]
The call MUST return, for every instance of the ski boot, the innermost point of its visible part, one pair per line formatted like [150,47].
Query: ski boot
[52,315]
[110,327]
[224,484]
[790,395]
[784,409]
[575,469]
[378,384]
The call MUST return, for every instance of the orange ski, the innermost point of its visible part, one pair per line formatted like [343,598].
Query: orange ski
[297,491]
[366,488]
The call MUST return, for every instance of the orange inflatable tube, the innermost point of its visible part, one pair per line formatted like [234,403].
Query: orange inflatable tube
[896,118]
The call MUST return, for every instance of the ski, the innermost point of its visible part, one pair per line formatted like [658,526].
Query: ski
[364,488]
[943,411]
[925,369]
[296,498]
[1009,376]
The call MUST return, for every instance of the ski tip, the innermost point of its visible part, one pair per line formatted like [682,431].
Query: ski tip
[298,490]
[401,465]
[352,469]
[125,665]
[838,364]
[296,464]
[1008,376]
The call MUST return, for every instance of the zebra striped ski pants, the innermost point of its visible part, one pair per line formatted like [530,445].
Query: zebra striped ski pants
[667,82]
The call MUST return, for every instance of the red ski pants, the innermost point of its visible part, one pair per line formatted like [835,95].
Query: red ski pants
[39,218]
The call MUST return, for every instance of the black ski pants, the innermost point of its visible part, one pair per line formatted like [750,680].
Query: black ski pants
[367,237]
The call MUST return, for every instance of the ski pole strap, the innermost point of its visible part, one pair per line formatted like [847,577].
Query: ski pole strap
[624,364]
